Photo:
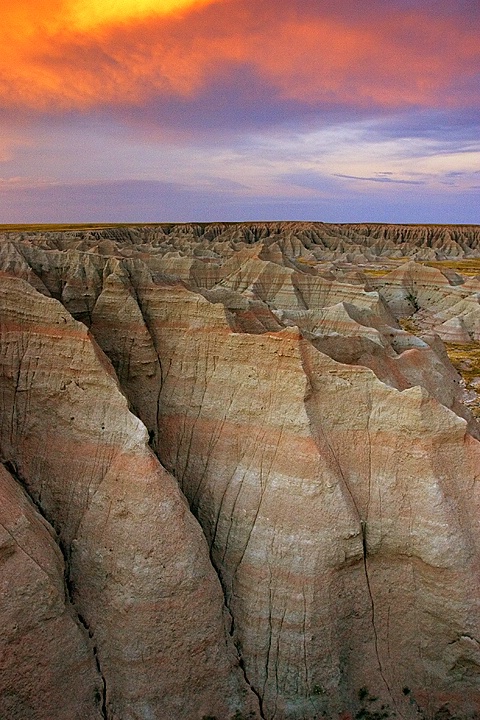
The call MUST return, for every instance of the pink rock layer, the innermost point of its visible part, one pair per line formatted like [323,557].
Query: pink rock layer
[138,568]
[325,452]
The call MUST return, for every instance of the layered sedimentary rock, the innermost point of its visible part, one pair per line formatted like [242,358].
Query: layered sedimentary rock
[300,241]
[279,449]
[47,664]
[138,566]
[439,302]
[327,453]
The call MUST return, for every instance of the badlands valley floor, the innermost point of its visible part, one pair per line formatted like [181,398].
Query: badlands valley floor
[240,472]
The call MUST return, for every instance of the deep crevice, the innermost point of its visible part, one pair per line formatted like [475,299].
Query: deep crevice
[241,663]
[84,623]
[335,463]
[68,584]
[372,604]
[231,631]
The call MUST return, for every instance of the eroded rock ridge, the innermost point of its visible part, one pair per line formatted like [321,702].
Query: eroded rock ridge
[239,473]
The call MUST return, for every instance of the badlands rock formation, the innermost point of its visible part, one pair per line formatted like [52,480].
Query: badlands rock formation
[239,473]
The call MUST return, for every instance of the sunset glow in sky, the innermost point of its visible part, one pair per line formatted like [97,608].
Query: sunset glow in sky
[177,110]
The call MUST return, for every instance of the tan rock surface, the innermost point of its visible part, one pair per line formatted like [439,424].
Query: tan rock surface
[269,478]
[326,452]
[279,449]
[47,664]
[138,565]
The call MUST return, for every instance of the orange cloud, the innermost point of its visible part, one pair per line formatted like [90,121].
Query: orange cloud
[372,63]
[66,54]
[85,15]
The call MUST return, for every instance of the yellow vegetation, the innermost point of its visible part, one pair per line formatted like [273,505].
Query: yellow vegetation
[464,267]
[409,325]
[376,272]
[466,360]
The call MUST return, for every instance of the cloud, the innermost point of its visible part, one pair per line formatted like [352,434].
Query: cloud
[451,128]
[381,179]
[134,201]
[317,55]
[179,100]
[85,15]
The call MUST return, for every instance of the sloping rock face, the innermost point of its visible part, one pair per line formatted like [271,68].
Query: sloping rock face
[47,665]
[451,311]
[300,242]
[326,453]
[138,567]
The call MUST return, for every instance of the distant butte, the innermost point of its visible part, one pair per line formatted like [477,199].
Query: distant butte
[240,469]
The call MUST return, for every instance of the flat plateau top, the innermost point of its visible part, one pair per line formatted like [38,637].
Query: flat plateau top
[58,227]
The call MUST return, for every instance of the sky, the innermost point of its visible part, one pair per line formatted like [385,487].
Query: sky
[211,110]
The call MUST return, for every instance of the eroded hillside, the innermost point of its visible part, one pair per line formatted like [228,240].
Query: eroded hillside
[240,472]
